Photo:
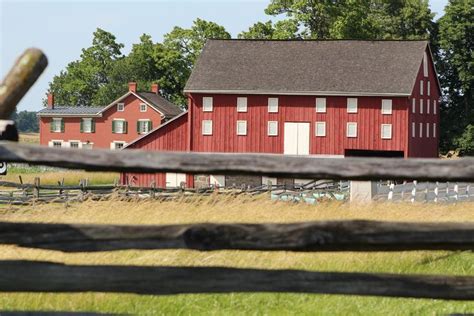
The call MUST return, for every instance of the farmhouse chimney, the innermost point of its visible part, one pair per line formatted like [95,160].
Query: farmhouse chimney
[132,86]
[155,88]
[50,101]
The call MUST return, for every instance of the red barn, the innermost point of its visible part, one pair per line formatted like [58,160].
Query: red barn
[319,98]
[112,126]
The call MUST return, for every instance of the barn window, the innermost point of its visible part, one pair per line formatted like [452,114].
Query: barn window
[427,129]
[120,107]
[272,105]
[272,128]
[386,106]
[119,126]
[241,104]
[421,87]
[207,104]
[413,105]
[428,88]
[421,106]
[434,107]
[142,107]
[434,129]
[428,105]
[351,105]
[207,127]
[242,128]
[320,129]
[421,129]
[413,130]
[351,130]
[321,105]
[386,131]
[425,65]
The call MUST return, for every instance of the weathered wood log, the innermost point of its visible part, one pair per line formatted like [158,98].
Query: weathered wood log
[27,69]
[310,236]
[250,164]
[29,276]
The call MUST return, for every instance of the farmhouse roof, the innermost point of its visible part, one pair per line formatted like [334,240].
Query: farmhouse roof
[164,106]
[71,110]
[332,67]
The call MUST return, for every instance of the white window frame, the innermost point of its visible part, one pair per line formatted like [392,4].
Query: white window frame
[382,130]
[413,106]
[320,105]
[86,119]
[321,125]
[352,105]
[413,129]
[425,65]
[86,144]
[143,107]
[120,107]
[242,104]
[421,106]
[57,125]
[434,130]
[79,143]
[347,129]
[428,88]
[269,128]
[57,141]
[386,106]
[421,87]
[140,124]
[204,131]
[113,144]
[434,107]
[207,104]
[421,130]
[272,105]
[123,125]
[427,130]
[241,124]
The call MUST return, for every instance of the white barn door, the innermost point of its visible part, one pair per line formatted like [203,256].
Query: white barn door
[173,180]
[296,139]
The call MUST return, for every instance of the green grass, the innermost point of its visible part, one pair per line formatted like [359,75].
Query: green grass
[243,209]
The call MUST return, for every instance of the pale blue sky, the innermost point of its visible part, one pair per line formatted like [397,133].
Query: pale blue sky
[62,28]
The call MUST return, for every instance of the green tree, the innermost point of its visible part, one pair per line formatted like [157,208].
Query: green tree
[286,29]
[26,121]
[465,142]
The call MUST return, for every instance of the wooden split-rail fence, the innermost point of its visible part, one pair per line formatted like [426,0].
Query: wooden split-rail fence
[31,276]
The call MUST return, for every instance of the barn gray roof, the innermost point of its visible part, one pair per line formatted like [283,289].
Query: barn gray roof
[307,67]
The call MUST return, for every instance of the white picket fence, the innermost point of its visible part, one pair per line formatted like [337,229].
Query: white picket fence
[425,191]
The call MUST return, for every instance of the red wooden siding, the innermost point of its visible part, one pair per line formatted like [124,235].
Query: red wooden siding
[171,136]
[298,109]
[424,146]
[103,135]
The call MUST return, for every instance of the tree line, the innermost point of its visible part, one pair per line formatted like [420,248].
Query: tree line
[102,72]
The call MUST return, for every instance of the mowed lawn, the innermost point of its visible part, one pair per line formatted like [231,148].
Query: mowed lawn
[243,209]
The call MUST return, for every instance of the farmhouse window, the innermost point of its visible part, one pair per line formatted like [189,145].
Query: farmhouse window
[272,105]
[428,88]
[427,129]
[421,87]
[74,144]
[421,129]
[143,107]
[425,65]
[386,131]
[120,107]
[386,106]
[241,104]
[87,125]
[116,145]
[351,130]
[207,127]
[242,128]
[272,128]
[351,105]
[57,125]
[413,130]
[207,104]
[144,126]
[119,126]
[434,107]
[320,105]
[413,106]
[434,129]
[87,145]
[421,106]
[320,129]
[57,144]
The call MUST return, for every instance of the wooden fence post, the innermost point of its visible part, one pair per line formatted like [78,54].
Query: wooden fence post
[413,192]
[152,189]
[436,192]
[390,192]
[456,191]
[36,190]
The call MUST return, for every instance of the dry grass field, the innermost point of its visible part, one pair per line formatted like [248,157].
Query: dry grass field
[243,209]
[29,138]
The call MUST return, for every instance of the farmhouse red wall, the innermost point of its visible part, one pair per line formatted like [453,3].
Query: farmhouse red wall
[169,137]
[298,109]
[103,135]
[424,146]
